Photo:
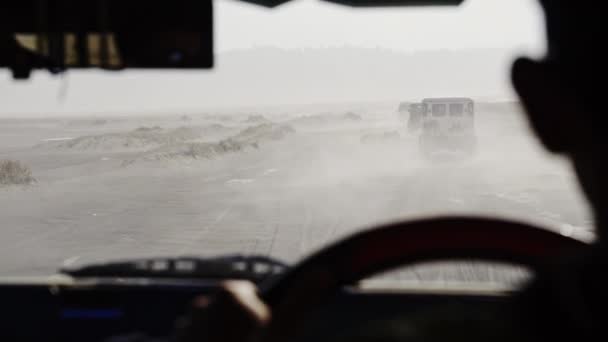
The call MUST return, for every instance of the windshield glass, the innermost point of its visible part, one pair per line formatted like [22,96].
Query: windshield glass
[439,109]
[456,109]
[298,137]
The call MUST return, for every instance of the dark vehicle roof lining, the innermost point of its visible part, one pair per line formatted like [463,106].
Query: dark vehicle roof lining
[49,18]
[368,3]
[75,15]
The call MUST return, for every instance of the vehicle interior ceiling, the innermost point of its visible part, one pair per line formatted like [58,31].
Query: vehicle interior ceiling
[474,233]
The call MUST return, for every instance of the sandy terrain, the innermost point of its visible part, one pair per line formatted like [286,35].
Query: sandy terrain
[280,186]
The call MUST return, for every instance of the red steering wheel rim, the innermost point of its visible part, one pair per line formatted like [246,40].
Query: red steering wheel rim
[405,243]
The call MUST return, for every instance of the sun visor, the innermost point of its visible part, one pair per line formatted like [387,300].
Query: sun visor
[107,34]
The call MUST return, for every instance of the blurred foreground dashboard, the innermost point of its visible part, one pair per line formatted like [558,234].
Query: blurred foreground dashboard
[64,309]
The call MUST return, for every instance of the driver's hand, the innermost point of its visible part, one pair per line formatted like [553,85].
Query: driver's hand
[235,314]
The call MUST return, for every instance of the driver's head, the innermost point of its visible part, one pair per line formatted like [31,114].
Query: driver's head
[564,97]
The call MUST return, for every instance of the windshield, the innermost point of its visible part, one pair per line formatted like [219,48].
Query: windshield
[297,138]
[456,109]
[439,109]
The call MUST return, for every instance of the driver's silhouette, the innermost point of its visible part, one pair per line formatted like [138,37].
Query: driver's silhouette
[564,100]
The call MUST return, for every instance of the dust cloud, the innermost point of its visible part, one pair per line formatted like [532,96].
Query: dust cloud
[281,182]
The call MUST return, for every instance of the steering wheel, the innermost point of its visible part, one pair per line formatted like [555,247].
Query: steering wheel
[400,244]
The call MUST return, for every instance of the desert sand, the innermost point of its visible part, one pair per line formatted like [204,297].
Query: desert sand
[281,184]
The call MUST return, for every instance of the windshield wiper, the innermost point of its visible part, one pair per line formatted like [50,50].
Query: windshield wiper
[254,268]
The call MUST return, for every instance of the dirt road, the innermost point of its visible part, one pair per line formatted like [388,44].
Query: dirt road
[286,198]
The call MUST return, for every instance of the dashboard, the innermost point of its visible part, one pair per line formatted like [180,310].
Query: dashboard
[147,309]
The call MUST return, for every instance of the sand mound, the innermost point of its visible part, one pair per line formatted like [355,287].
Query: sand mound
[192,150]
[263,132]
[86,122]
[214,129]
[183,133]
[250,137]
[350,116]
[380,137]
[13,172]
[100,142]
[324,119]
[219,117]
[147,129]
[309,120]
[141,138]
[256,119]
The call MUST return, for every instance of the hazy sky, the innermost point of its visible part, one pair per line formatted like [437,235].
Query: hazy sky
[514,26]
[312,23]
